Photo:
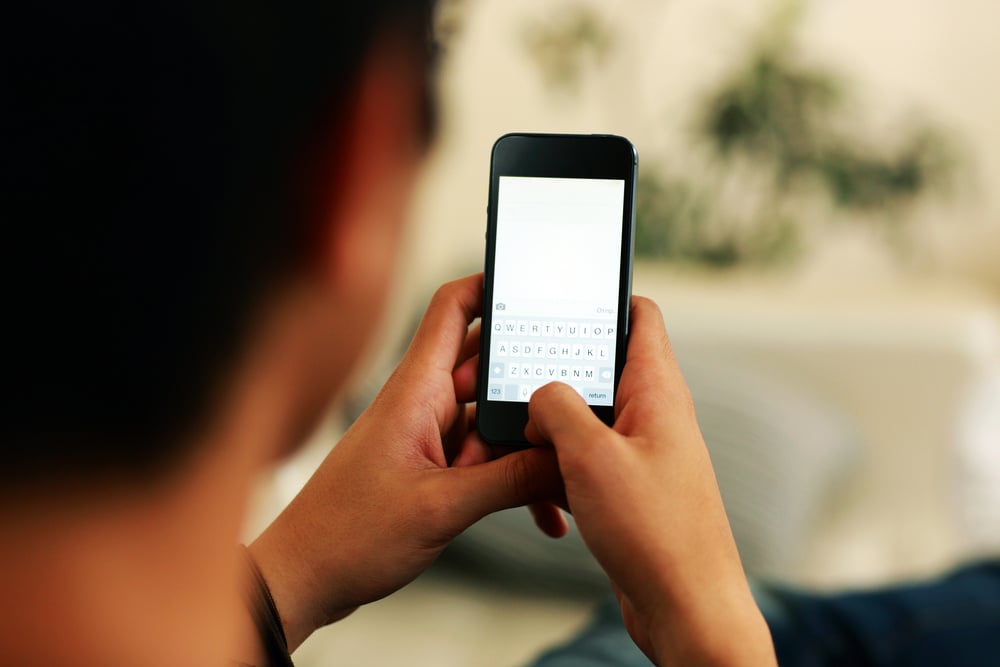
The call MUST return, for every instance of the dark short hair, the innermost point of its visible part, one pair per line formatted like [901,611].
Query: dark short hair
[158,159]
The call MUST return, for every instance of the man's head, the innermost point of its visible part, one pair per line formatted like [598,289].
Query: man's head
[168,168]
[201,202]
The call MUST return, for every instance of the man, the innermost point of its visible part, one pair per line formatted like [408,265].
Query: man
[201,205]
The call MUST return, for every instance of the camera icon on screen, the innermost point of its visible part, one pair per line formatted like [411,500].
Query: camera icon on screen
[501,306]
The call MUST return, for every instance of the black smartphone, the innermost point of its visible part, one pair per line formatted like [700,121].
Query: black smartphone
[558,277]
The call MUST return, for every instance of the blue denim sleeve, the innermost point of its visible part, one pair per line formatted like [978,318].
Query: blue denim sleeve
[952,621]
[604,642]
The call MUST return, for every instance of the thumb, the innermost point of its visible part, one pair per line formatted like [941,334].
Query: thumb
[559,416]
[519,478]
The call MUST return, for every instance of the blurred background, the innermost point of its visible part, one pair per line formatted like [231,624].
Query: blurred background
[817,219]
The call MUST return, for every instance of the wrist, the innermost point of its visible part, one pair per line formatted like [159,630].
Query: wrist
[269,643]
[290,588]
[719,631]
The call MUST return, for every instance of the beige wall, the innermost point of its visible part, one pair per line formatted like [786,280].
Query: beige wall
[905,57]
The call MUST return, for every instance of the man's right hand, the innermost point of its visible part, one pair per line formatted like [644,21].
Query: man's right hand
[646,502]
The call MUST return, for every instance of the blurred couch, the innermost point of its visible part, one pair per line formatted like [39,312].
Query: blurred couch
[855,432]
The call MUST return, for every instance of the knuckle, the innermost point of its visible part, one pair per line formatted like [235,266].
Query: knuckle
[442,294]
[645,303]
[683,403]
[666,347]
[517,476]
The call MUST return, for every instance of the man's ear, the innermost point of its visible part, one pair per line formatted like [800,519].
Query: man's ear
[375,151]
[380,142]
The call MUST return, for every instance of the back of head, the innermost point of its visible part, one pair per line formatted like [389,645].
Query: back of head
[159,169]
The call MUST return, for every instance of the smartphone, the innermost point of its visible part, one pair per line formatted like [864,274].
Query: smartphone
[558,278]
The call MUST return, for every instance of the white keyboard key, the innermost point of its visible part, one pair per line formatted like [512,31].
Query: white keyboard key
[590,352]
[597,331]
[535,329]
[522,327]
[602,352]
[609,332]
[547,329]
[578,352]
[526,370]
[589,374]
[576,373]
[498,326]
[551,373]
[551,351]
[584,330]
[503,349]
[597,395]
[513,370]
[572,329]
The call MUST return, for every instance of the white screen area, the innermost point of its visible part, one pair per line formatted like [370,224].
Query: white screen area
[555,286]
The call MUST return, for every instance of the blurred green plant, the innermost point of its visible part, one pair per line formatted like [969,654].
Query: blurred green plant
[775,116]
[566,44]
[681,220]
[783,118]
[783,113]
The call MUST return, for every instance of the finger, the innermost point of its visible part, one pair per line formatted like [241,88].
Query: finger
[549,519]
[559,416]
[465,378]
[444,328]
[473,452]
[648,340]
[453,441]
[522,477]
[651,373]
[470,347]
[473,449]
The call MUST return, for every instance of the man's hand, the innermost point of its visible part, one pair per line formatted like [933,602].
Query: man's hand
[645,500]
[407,478]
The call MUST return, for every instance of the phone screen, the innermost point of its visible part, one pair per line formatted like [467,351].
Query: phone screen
[556,286]
[558,275]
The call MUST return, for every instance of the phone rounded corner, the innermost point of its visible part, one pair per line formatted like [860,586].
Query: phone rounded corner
[627,144]
[630,147]
[502,139]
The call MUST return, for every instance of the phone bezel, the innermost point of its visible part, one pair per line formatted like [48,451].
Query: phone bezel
[553,156]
